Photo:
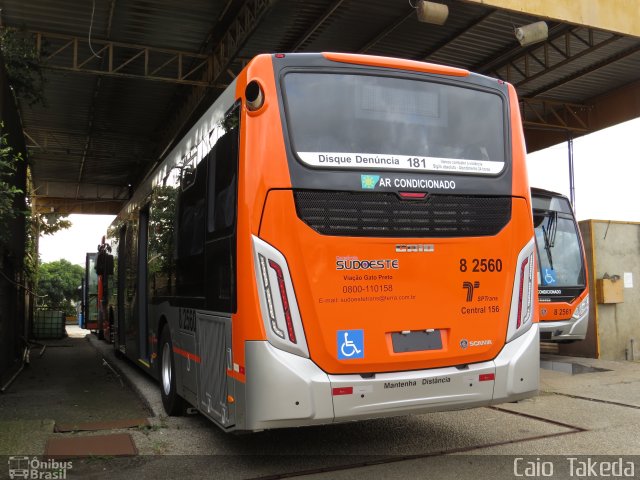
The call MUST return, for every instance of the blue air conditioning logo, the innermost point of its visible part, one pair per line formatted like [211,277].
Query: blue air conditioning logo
[369,182]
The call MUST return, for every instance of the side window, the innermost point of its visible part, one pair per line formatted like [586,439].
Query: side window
[161,240]
[191,212]
[222,193]
[190,231]
[223,175]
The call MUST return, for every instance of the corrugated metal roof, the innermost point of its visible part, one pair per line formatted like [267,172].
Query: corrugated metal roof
[103,130]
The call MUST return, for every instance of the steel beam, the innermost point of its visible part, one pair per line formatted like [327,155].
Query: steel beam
[495,63]
[587,70]
[605,111]
[68,206]
[318,23]
[89,191]
[44,140]
[551,115]
[117,59]
[221,58]
[532,63]
[423,57]
[387,31]
[59,197]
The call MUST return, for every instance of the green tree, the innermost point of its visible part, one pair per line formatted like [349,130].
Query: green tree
[59,281]
[8,191]
[23,66]
[38,224]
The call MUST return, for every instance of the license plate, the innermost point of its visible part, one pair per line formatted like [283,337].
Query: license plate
[416,341]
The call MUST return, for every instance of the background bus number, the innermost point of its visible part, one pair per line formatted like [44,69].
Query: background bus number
[481,265]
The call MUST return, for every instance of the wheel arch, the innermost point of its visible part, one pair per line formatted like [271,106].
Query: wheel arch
[162,324]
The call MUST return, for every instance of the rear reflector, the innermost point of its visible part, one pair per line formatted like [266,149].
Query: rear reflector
[487,377]
[342,391]
[415,195]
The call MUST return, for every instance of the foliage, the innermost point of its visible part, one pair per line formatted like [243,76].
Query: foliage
[23,65]
[38,224]
[161,223]
[50,223]
[30,253]
[59,281]
[8,191]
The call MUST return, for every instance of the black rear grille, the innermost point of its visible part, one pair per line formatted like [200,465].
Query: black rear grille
[366,214]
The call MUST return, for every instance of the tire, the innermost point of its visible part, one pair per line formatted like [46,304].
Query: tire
[174,405]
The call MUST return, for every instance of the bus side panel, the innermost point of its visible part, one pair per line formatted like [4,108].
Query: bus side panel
[518,148]
[214,341]
[130,293]
[115,303]
[261,142]
[520,177]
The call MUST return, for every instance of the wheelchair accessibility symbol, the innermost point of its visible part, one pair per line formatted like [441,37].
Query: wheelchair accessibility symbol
[550,276]
[350,344]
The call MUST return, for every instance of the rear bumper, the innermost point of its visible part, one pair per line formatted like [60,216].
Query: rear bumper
[563,330]
[285,390]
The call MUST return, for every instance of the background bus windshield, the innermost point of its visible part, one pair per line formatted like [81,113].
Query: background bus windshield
[336,120]
[559,252]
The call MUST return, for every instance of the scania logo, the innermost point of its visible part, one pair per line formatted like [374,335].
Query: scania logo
[415,247]
[480,343]
[464,343]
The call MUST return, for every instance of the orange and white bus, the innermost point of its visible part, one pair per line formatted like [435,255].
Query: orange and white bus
[338,237]
[563,289]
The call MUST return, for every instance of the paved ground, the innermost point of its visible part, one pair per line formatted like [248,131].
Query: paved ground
[67,384]
[594,413]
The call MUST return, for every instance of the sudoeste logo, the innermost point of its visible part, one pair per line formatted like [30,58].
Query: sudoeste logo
[350,344]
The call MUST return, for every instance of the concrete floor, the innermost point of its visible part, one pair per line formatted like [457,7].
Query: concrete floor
[67,384]
[589,414]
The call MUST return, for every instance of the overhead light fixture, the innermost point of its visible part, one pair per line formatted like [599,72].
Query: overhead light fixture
[532,33]
[431,12]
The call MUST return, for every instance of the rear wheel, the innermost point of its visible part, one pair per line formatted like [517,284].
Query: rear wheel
[173,404]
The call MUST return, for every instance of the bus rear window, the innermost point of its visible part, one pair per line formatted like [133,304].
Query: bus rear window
[371,122]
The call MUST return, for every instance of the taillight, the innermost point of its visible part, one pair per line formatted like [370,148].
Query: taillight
[280,312]
[285,301]
[269,298]
[524,292]
[522,300]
